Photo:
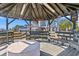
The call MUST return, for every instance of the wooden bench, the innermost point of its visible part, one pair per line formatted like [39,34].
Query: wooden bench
[54,37]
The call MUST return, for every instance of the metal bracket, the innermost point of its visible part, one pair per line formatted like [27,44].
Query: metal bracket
[11,21]
[67,18]
[26,22]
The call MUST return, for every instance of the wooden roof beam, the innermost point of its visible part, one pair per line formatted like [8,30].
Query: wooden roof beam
[23,9]
[73,6]
[7,10]
[20,9]
[56,8]
[42,12]
[63,8]
[16,11]
[26,15]
[49,15]
[35,10]
[30,16]
[48,12]
[51,9]
[3,5]
[38,9]
[70,9]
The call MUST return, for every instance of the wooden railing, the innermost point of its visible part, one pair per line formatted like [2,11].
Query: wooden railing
[19,35]
[37,34]
[3,37]
[66,35]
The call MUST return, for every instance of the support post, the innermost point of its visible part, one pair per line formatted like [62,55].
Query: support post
[30,29]
[49,30]
[74,18]
[49,24]
[7,30]
[26,31]
[39,23]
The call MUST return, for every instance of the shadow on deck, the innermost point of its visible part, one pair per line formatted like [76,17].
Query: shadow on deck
[69,52]
[44,54]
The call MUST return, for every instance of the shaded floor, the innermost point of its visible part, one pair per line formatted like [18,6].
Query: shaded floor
[44,54]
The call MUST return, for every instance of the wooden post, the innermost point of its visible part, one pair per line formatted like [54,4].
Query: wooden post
[49,24]
[7,29]
[49,30]
[74,18]
[30,29]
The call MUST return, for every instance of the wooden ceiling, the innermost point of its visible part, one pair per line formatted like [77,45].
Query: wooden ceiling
[37,11]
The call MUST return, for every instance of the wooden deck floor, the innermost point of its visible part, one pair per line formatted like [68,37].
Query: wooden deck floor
[48,49]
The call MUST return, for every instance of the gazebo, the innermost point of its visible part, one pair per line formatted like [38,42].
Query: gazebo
[40,12]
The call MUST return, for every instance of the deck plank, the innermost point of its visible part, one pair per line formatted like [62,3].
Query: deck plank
[77,54]
[65,52]
[71,53]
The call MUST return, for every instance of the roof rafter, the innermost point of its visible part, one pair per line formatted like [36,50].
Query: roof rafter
[56,8]
[51,9]
[63,8]
[48,12]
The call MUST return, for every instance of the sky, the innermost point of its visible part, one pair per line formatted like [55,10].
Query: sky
[13,24]
[17,22]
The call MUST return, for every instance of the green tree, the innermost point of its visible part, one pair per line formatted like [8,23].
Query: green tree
[18,26]
[77,27]
[65,24]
